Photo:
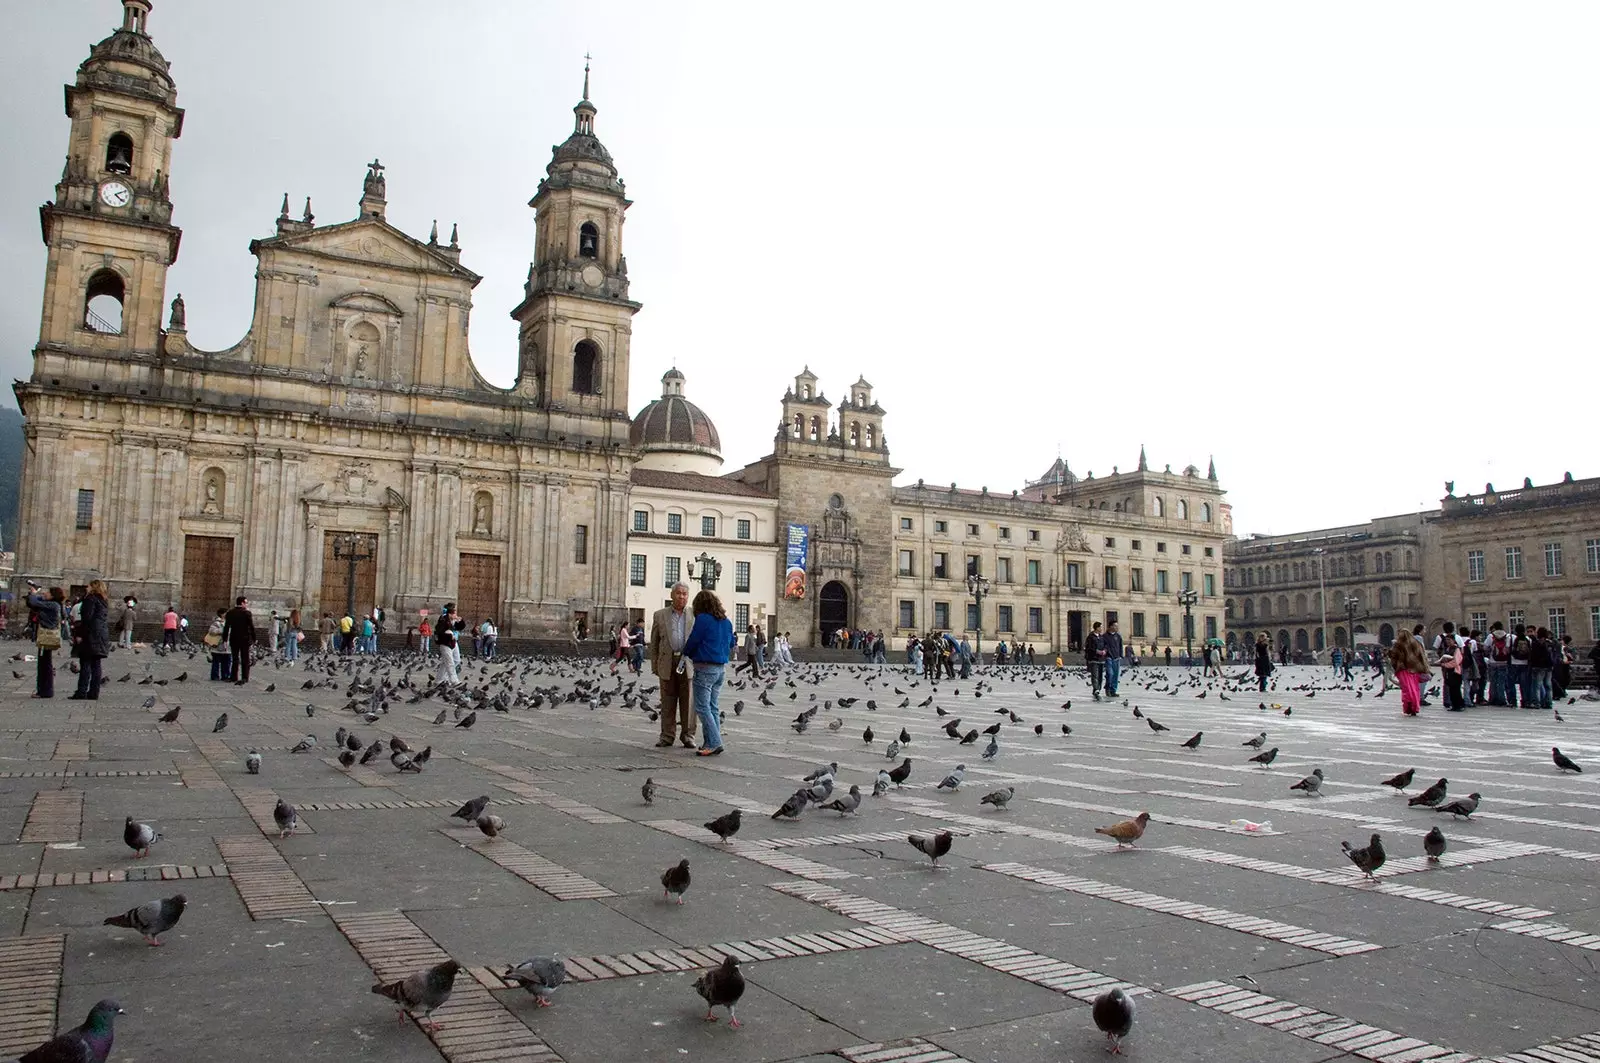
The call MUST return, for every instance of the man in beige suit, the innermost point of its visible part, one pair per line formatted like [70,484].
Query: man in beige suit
[669,629]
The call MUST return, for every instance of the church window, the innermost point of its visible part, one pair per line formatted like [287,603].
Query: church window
[855,433]
[85,509]
[586,368]
[588,240]
[1158,508]
[799,426]
[119,153]
[580,544]
[102,308]
[871,439]
[1205,512]
[1183,509]
[816,428]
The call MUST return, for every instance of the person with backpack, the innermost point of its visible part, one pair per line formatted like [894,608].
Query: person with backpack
[1471,670]
[1449,660]
[1263,660]
[1565,659]
[1519,678]
[1497,663]
[1541,666]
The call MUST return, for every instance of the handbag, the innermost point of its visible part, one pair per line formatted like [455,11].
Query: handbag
[48,638]
[211,640]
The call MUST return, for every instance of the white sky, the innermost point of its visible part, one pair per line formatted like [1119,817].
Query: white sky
[1347,249]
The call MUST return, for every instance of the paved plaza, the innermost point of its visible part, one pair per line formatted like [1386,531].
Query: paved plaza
[1236,944]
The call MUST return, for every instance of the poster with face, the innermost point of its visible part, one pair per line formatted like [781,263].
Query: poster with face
[795,553]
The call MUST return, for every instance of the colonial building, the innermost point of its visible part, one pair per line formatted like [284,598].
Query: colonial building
[1530,555]
[1302,589]
[349,420]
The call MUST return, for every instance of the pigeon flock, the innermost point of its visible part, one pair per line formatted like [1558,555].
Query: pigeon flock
[372,686]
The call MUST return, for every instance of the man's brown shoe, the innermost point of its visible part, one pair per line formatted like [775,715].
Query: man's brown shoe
[663,743]
[688,742]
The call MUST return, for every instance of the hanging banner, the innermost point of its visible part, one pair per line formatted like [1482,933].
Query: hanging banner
[794,569]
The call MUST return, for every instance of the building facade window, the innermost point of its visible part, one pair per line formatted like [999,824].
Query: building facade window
[636,570]
[85,509]
[1161,548]
[941,566]
[1209,585]
[641,520]
[905,563]
[741,618]
[1005,533]
[708,527]
[1211,552]
[1002,570]
[1111,577]
[941,616]
[1591,555]
[741,577]
[1558,621]
[1002,618]
[1186,550]
[1035,573]
[1479,622]
[908,614]
[1515,617]
[1035,620]
[1138,625]
[1552,560]
[1211,627]
[1475,567]
[1513,562]
[1136,579]
[905,523]
[1163,625]
[674,523]
[670,571]
[1033,535]
[972,530]
[742,528]
[1594,623]
[1186,581]
[580,544]
[974,565]
[1074,575]
[972,617]
[1162,584]
[1135,544]
[1111,542]
[941,527]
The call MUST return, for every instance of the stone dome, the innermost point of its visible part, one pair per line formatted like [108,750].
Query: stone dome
[674,433]
[130,45]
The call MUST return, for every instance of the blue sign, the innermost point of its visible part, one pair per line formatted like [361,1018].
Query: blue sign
[794,568]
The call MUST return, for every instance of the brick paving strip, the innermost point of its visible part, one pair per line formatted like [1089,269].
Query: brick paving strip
[761,854]
[83,774]
[152,873]
[559,882]
[1309,1024]
[268,886]
[30,982]
[909,1050]
[1270,929]
[56,816]
[475,1027]
[1584,1049]
[1077,982]
[1563,935]
[700,957]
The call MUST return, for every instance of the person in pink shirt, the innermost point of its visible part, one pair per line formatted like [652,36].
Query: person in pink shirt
[169,627]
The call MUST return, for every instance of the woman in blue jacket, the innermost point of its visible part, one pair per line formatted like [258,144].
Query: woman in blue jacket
[47,608]
[709,644]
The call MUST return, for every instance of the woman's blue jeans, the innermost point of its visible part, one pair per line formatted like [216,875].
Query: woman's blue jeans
[707,684]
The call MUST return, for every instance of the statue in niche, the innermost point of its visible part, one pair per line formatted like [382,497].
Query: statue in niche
[361,360]
[480,517]
[212,506]
[179,316]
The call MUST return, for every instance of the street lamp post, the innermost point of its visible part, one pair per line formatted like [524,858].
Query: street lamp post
[352,548]
[978,587]
[710,571]
[1352,605]
[1322,592]
[1187,598]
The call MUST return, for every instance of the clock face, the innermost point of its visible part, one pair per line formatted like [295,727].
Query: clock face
[592,276]
[115,194]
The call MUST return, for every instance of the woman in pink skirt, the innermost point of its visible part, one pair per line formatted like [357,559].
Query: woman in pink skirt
[1410,670]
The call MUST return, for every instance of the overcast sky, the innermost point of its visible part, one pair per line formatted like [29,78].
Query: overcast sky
[1348,249]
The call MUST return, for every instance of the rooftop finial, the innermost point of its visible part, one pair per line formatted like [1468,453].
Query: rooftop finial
[1211,470]
[1144,466]
[433,234]
[586,58]
[455,235]
[283,211]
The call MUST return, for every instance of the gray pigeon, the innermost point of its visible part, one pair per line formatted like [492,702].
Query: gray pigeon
[992,748]
[149,702]
[491,825]
[339,736]
[1434,844]
[139,836]
[881,785]
[675,880]
[1461,806]
[1311,784]
[472,809]
[468,720]
[953,780]
[252,762]
[820,790]
[721,987]
[847,804]
[425,991]
[648,791]
[1368,859]
[284,815]
[934,845]
[1265,759]
[89,1043]
[792,808]
[151,919]
[307,744]
[726,825]
[539,976]
[999,798]
[824,769]
[894,749]
[221,724]
[1113,1014]
[1257,742]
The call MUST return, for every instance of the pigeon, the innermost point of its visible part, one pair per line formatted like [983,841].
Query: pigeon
[725,826]
[829,770]
[893,750]
[89,1043]
[648,791]
[171,715]
[1155,725]
[347,759]
[437,720]
[1432,795]
[934,845]
[1113,1014]
[999,798]
[139,836]
[866,736]
[970,737]
[1369,859]
[1463,807]
[820,790]
[1434,845]
[339,736]
[252,762]
[721,987]
[675,880]
[472,809]
[542,974]
[1127,831]
[1311,784]
[992,729]
[311,710]
[1257,742]
[898,775]
[1401,781]
[1137,715]
[270,686]
[1038,728]
[1065,729]
[306,744]
[1564,762]
[953,780]
[1194,742]
[795,805]
[491,826]
[221,724]
[425,991]
[151,919]
[284,815]
[352,742]
[847,804]
[374,751]
[905,737]
[468,720]
[991,750]
[1265,759]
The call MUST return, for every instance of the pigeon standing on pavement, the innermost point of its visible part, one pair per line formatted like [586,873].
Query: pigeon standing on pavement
[1564,762]
[999,798]
[648,791]
[817,773]
[171,715]
[880,786]
[1257,742]
[725,826]
[468,720]
[795,805]
[539,975]
[1194,742]
[899,774]
[847,804]
[88,1043]
[934,845]
[139,836]
[1368,859]
[1113,1014]
[1265,759]
[1432,795]
[151,919]
[490,825]
[721,987]
[1463,807]
[953,780]
[306,745]
[675,880]
[893,749]
[1433,844]
[472,809]
[252,762]
[220,725]
[284,815]
[1127,831]
[1401,781]
[425,991]
[1311,784]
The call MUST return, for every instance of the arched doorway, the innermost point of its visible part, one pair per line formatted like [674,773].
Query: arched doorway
[1302,641]
[1386,635]
[833,608]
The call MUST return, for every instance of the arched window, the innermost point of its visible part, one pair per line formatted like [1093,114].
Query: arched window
[1158,508]
[1227,608]
[872,438]
[119,153]
[586,368]
[1282,605]
[1183,509]
[1102,505]
[1316,603]
[799,425]
[1302,641]
[1299,605]
[1408,560]
[1386,634]
[816,428]
[1205,512]
[855,433]
[1265,608]
[102,303]
[588,240]
[1339,638]
[1249,609]
[1385,598]
[1388,560]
